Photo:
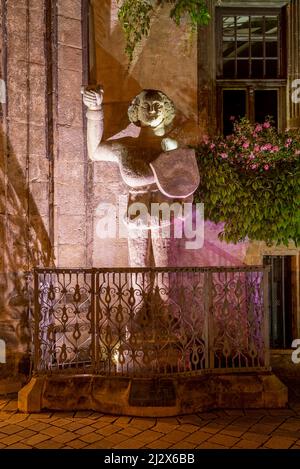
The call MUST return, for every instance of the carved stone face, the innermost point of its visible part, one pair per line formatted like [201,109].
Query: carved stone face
[151,110]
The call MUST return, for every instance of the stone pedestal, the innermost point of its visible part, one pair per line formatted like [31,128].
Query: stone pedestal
[153,397]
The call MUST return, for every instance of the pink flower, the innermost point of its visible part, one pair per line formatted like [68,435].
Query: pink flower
[232,118]
[212,146]
[297,152]
[266,167]
[266,125]
[246,145]
[251,156]
[266,147]
[254,134]
[253,166]
[256,148]
[258,128]
[224,155]
[275,148]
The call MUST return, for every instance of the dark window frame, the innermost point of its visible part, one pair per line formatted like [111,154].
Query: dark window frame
[251,84]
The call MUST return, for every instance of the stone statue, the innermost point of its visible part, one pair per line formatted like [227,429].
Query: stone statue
[153,165]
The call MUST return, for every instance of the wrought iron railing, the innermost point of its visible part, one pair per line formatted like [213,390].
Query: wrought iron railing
[150,321]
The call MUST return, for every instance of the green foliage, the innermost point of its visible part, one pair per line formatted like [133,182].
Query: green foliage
[135,16]
[250,181]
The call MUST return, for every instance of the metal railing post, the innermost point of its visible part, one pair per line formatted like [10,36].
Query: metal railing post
[266,331]
[93,325]
[36,315]
[208,327]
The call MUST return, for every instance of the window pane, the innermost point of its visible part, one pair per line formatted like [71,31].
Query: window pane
[257,68]
[271,69]
[256,26]
[271,25]
[229,49]
[234,105]
[243,49]
[242,26]
[271,49]
[257,49]
[228,25]
[229,69]
[265,102]
[242,69]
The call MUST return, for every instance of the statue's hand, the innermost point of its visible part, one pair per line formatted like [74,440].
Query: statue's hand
[92,98]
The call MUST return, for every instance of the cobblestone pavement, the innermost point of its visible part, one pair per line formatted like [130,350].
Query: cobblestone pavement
[251,429]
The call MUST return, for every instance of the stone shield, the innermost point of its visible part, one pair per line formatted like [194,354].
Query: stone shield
[176,173]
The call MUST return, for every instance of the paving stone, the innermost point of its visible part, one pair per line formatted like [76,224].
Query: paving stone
[91,437]
[142,424]
[11,429]
[123,421]
[159,444]
[129,431]
[291,424]
[175,436]
[263,429]
[247,444]
[198,437]
[132,443]
[11,406]
[116,438]
[110,429]
[183,445]
[77,444]
[212,428]
[53,431]
[65,437]
[188,428]
[163,427]
[100,424]
[84,430]
[34,440]
[224,440]
[101,444]
[276,442]
[11,439]
[48,444]
[17,418]
[26,433]
[259,437]
[35,426]
[148,436]
[209,445]
[76,426]
[19,445]
[236,431]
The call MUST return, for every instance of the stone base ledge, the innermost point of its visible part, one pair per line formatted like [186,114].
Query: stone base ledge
[149,397]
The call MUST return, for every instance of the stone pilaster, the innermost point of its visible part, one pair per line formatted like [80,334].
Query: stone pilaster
[293,43]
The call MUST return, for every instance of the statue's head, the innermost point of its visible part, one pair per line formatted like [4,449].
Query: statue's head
[151,108]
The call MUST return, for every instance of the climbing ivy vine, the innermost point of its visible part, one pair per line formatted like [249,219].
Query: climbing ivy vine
[135,17]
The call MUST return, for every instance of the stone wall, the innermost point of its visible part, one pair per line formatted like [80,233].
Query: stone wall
[43,188]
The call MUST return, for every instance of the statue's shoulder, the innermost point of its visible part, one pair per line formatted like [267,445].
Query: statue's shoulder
[176,172]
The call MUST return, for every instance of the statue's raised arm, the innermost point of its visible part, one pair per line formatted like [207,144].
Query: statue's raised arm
[97,150]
